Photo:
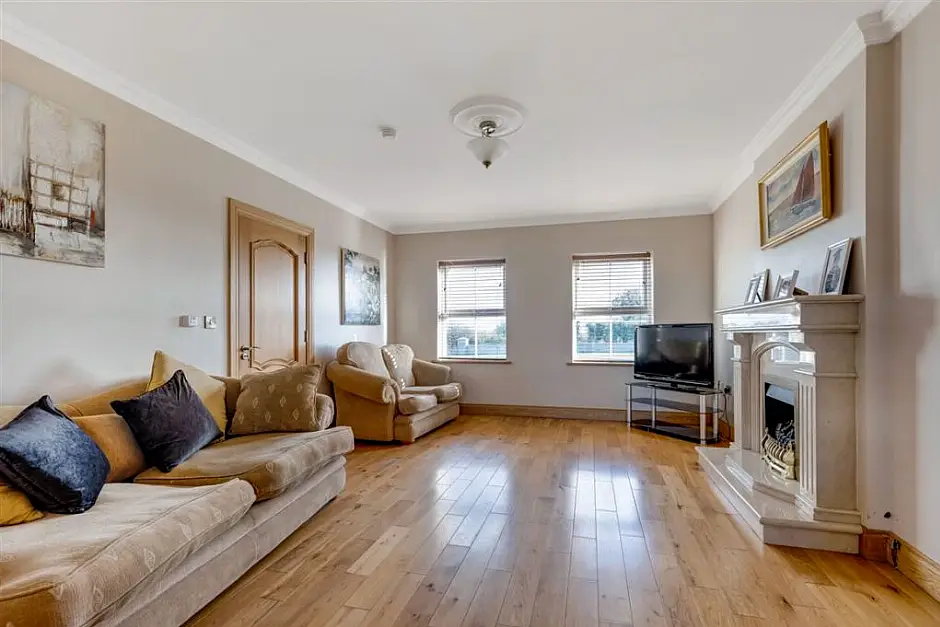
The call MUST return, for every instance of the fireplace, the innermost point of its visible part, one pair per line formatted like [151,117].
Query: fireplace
[778,446]
[790,471]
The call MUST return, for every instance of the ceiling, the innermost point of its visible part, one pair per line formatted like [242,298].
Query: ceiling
[635,109]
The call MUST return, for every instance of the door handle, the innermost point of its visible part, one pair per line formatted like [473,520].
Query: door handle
[245,352]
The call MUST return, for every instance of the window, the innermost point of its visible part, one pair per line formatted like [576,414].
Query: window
[471,309]
[611,295]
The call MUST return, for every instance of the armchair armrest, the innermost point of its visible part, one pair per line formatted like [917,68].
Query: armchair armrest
[324,409]
[364,384]
[427,373]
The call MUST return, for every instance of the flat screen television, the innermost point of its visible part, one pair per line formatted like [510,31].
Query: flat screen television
[679,354]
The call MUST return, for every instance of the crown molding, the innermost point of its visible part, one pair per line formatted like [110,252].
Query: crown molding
[872,29]
[39,45]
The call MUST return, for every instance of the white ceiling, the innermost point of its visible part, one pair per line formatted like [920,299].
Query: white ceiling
[634,108]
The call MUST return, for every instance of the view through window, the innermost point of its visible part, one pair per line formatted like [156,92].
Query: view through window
[471,315]
[611,295]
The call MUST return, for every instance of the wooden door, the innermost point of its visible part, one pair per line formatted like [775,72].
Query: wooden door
[271,307]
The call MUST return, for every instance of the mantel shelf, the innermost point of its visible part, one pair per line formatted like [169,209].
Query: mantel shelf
[833,313]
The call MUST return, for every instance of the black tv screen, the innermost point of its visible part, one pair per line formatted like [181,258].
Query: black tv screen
[675,353]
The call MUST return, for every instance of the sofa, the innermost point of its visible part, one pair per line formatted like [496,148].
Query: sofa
[153,551]
[387,394]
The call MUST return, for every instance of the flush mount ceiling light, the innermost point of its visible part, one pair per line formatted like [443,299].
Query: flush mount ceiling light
[488,119]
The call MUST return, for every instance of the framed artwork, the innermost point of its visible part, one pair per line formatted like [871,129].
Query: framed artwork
[836,267]
[757,287]
[796,195]
[51,181]
[785,285]
[361,289]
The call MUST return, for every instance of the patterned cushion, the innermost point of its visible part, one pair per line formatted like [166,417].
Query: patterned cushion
[209,389]
[444,393]
[66,570]
[364,356]
[398,359]
[415,403]
[283,400]
[271,462]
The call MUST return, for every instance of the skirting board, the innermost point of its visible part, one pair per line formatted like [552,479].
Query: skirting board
[584,413]
[884,546]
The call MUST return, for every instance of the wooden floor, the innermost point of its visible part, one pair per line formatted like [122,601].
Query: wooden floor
[516,522]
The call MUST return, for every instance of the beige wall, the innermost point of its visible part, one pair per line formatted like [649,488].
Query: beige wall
[66,329]
[538,280]
[914,367]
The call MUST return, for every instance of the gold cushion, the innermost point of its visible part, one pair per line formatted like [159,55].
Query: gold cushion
[114,437]
[15,507]
[209,389]
[271,462]
[283,400]
[69,570]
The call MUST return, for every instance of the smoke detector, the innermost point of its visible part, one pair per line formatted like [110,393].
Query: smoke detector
[488,119]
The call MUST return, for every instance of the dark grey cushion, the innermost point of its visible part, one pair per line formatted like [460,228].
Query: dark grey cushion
[170,423]
[50,459]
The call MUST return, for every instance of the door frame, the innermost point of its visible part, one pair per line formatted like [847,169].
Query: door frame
[236,211]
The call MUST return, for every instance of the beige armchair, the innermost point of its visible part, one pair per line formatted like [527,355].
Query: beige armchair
[386,394]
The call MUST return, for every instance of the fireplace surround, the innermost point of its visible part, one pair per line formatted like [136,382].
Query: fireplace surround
[816,505]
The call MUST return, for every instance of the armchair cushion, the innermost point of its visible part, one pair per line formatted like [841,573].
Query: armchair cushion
[443,393]
[416,403]
[427,373]
[398,359]
[364,356]
[367,385]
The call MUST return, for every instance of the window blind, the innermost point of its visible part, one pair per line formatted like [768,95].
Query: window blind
[471,314]
[611,295]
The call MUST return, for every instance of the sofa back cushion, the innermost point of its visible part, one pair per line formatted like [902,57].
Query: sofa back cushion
[398,359]
[363,355]
[101,403]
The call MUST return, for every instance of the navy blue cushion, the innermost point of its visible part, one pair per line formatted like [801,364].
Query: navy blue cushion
[50,459]
[170,423]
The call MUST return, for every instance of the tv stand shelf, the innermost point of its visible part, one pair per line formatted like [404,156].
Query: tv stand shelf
[674,421]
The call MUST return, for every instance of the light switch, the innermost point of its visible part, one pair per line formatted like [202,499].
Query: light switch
[189,321]
[209,322]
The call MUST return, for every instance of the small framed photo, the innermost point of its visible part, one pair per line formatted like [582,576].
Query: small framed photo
[836,267]
[757,287]
[785,285]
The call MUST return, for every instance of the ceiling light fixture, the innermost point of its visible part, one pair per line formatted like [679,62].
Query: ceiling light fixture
[488,119]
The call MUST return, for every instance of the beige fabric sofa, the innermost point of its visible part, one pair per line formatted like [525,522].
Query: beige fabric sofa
[153,552]
[387,394]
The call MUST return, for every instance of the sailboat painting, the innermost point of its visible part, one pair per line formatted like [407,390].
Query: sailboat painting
[796,194]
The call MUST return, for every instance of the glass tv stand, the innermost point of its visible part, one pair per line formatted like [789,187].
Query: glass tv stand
[649,409]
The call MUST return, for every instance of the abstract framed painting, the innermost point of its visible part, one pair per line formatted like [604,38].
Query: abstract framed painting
[796,195]
[361,289]
[51,181]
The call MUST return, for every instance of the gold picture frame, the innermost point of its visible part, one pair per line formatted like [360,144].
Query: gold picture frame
[793,196]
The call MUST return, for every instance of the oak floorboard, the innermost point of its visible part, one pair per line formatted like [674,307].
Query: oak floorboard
[529,522]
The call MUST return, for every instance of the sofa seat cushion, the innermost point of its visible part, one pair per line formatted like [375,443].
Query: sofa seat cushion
[415,403]
[271,462]
[63,571]
[443,393]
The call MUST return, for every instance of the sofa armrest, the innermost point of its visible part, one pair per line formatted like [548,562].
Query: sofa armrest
[427,373]
[372,387]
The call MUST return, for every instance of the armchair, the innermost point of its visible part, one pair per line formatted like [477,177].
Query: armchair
[387,394]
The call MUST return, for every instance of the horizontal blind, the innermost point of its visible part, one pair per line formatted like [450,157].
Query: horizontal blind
[611,295]
[472,309]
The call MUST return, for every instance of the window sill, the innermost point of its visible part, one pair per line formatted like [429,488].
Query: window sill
[459,360]
[598,362]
